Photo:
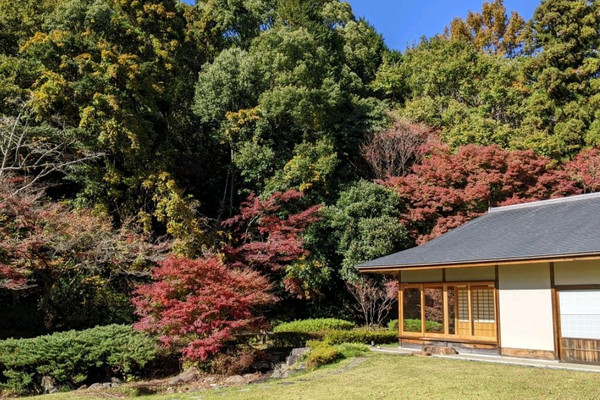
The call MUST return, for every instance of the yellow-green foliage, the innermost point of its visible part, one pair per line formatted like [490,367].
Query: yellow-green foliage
[321,354]
[314,325]
[349,350]
[360,336]
[177,211]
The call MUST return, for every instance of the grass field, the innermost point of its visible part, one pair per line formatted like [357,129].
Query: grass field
[382,376]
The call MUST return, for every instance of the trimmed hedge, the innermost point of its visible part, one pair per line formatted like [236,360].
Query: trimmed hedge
[414,325]
[328,330]
[360,336]
[73,358]
[294,339]
[314,325]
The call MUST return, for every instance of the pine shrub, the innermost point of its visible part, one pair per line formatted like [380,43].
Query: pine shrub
[73,358]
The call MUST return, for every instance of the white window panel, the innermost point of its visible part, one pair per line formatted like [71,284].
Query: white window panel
[580,314]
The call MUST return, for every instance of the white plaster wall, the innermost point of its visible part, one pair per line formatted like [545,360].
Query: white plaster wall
[577,273]
[470,274]
[428,275]
[525,302]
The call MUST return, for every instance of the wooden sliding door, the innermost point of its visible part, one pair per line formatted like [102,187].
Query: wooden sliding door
[461,311]
[580,325]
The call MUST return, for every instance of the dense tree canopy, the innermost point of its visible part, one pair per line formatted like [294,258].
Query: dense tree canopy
[73,262]
[277,138]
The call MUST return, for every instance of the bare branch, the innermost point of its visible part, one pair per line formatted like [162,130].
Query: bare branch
[374,301]
[392,153]
[32,155]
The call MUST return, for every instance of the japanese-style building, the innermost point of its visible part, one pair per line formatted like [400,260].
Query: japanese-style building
[521,280]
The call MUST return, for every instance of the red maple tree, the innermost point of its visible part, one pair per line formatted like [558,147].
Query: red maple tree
[267,238]
[199,305]
[584,170]
[448,189]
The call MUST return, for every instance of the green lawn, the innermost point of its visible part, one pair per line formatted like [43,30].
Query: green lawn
[382,376]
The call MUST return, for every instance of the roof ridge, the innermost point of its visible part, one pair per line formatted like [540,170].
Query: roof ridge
[559,200]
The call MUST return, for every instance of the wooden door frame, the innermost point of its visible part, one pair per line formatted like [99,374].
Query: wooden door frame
[446,336]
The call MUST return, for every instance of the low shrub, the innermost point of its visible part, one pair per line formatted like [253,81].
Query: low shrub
[393,325]
[314,325]
[361,336]
[349,350]
[315,343]
[323,354]
[73,358]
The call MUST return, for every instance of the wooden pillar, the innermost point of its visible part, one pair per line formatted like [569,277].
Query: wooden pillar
[470,305]
[400,311]
[446,314]
[497,307]
[423,323]
[555,314]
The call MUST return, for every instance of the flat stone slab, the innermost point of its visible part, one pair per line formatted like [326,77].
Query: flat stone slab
[398,351]
[525,362]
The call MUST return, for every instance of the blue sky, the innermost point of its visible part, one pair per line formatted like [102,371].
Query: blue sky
[403,22]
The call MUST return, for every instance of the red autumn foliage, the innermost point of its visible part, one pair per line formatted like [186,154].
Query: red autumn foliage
[584,169]
[392,152]
[267,238]
[43,243]
[446,190]
[199,305]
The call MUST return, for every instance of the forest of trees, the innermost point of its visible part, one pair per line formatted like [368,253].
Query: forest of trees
[151,151]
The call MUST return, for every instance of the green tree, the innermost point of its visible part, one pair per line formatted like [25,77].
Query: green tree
[562,77]
[491,30]
[472,97]
[365,223]
[295,106]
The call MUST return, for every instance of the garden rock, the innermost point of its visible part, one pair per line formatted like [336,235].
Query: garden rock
[48,384]
[235,380]
[295,355]
[280,371]
[440,350]
[291,364]
[187,376]
[95,386]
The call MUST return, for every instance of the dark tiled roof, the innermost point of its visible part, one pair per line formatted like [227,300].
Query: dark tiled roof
[567,226]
